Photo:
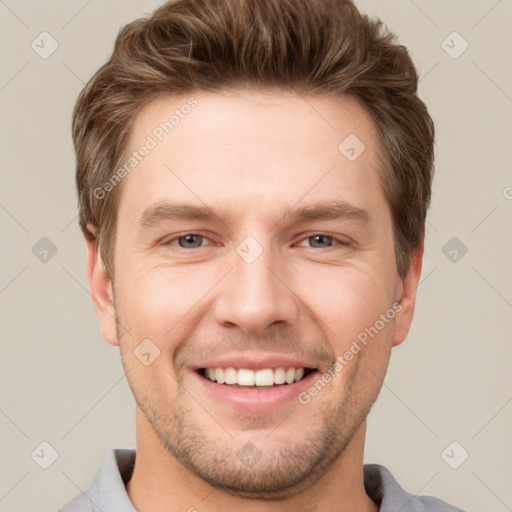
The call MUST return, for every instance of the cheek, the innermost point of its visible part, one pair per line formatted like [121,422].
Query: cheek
[358,320]
[156,302]
[152,306]
[350,300]
[161,302]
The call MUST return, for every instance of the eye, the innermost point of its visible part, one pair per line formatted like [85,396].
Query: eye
[320,239]
[195,240]
[187,241]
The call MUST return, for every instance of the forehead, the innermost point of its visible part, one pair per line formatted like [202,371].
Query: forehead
[241,117]
[240,147]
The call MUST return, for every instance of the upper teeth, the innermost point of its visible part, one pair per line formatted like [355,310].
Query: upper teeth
[245,377]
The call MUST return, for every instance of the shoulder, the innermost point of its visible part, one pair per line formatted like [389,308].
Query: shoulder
[382,487]
[80,503]
[107,491]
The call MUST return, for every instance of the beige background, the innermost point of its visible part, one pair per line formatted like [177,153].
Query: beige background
[450,381]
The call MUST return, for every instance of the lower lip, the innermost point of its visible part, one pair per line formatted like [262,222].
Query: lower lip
[253,399]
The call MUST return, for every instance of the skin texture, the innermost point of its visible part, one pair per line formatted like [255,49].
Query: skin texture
[254,155]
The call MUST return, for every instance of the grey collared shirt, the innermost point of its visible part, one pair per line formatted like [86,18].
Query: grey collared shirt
[107,492]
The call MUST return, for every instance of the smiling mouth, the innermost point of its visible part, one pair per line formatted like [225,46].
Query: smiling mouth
[244,378]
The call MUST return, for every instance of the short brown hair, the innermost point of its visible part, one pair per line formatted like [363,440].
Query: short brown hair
[324,47]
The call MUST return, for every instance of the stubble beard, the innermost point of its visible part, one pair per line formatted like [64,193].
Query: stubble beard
[276,472]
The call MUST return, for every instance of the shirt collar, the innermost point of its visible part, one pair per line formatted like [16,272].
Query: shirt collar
[107,492]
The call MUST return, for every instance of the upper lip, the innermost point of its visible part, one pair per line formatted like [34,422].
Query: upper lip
[254,361]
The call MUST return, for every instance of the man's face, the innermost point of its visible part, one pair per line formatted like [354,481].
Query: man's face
[252,286]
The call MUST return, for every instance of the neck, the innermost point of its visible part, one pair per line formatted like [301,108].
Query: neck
[160,483]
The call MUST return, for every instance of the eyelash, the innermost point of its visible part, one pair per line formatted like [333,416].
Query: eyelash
[328,235]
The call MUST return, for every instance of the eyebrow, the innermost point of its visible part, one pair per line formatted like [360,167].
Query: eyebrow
[326,210]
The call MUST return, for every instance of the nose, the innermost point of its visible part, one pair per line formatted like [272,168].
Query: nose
[256,296]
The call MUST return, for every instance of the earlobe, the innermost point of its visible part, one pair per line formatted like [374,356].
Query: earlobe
[101,292]
[406,297]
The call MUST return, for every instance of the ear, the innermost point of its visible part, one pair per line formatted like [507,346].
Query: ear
[406,296]
[101,292]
